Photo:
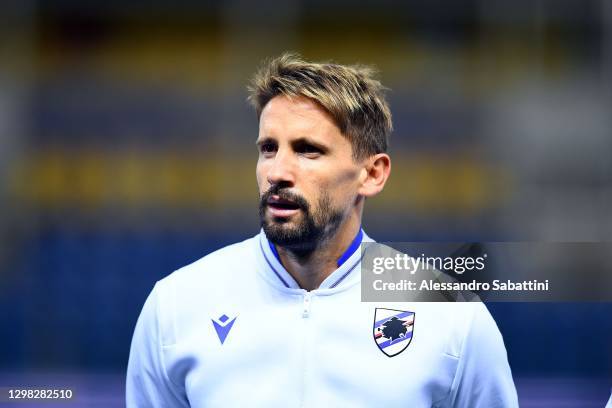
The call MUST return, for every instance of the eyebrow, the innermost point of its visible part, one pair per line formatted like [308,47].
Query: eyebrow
[267,139]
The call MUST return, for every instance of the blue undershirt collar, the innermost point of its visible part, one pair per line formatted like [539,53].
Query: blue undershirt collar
[343,258]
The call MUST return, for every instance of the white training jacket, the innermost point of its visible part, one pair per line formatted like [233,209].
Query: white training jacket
[235,329]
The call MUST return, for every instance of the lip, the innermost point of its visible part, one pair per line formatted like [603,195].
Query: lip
[278,200]
[282,212]
[277,207]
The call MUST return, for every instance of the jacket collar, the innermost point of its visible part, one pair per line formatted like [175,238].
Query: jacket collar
[347,273]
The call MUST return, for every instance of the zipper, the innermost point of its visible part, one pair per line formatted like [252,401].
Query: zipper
[306,338]
[306,305]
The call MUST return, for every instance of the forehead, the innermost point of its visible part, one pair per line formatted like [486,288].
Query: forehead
[295,115]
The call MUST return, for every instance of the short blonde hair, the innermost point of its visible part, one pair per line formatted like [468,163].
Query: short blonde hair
[350,93]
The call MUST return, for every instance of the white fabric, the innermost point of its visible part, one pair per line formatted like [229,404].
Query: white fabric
[289,348]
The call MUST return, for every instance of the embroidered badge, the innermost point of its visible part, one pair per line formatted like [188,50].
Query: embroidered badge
[393,330]
[222,326]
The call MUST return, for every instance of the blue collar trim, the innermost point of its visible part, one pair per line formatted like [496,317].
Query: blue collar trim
[351,249]
[275,252]
[345,256]
[346,273]
[270,264]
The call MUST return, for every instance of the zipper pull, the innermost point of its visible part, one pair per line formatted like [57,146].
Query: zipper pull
[306,305]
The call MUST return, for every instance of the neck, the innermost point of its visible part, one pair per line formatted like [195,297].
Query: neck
[311,269]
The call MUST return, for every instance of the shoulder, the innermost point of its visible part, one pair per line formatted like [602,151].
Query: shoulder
[214,268]
[182,297]
[453,325]
[474,325]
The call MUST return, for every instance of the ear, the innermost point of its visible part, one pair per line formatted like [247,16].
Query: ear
[375,174]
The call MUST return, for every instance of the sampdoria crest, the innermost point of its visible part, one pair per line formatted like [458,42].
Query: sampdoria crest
[393,330]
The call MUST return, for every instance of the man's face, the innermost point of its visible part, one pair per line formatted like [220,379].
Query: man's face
[306,174]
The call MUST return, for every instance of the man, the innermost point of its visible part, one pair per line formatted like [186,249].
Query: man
[276,320]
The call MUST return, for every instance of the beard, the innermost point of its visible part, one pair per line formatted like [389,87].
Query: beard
[308,229]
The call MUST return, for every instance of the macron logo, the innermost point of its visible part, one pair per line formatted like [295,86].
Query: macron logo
[222,326]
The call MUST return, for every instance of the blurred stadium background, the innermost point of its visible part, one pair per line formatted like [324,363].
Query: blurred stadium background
[127,151]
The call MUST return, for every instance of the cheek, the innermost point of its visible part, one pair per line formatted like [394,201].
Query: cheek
[261,178]
[348,179]
[342,188]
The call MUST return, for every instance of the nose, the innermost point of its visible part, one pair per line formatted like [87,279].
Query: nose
[282,169]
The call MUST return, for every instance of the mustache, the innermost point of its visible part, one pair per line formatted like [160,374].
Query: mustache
[284,194]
